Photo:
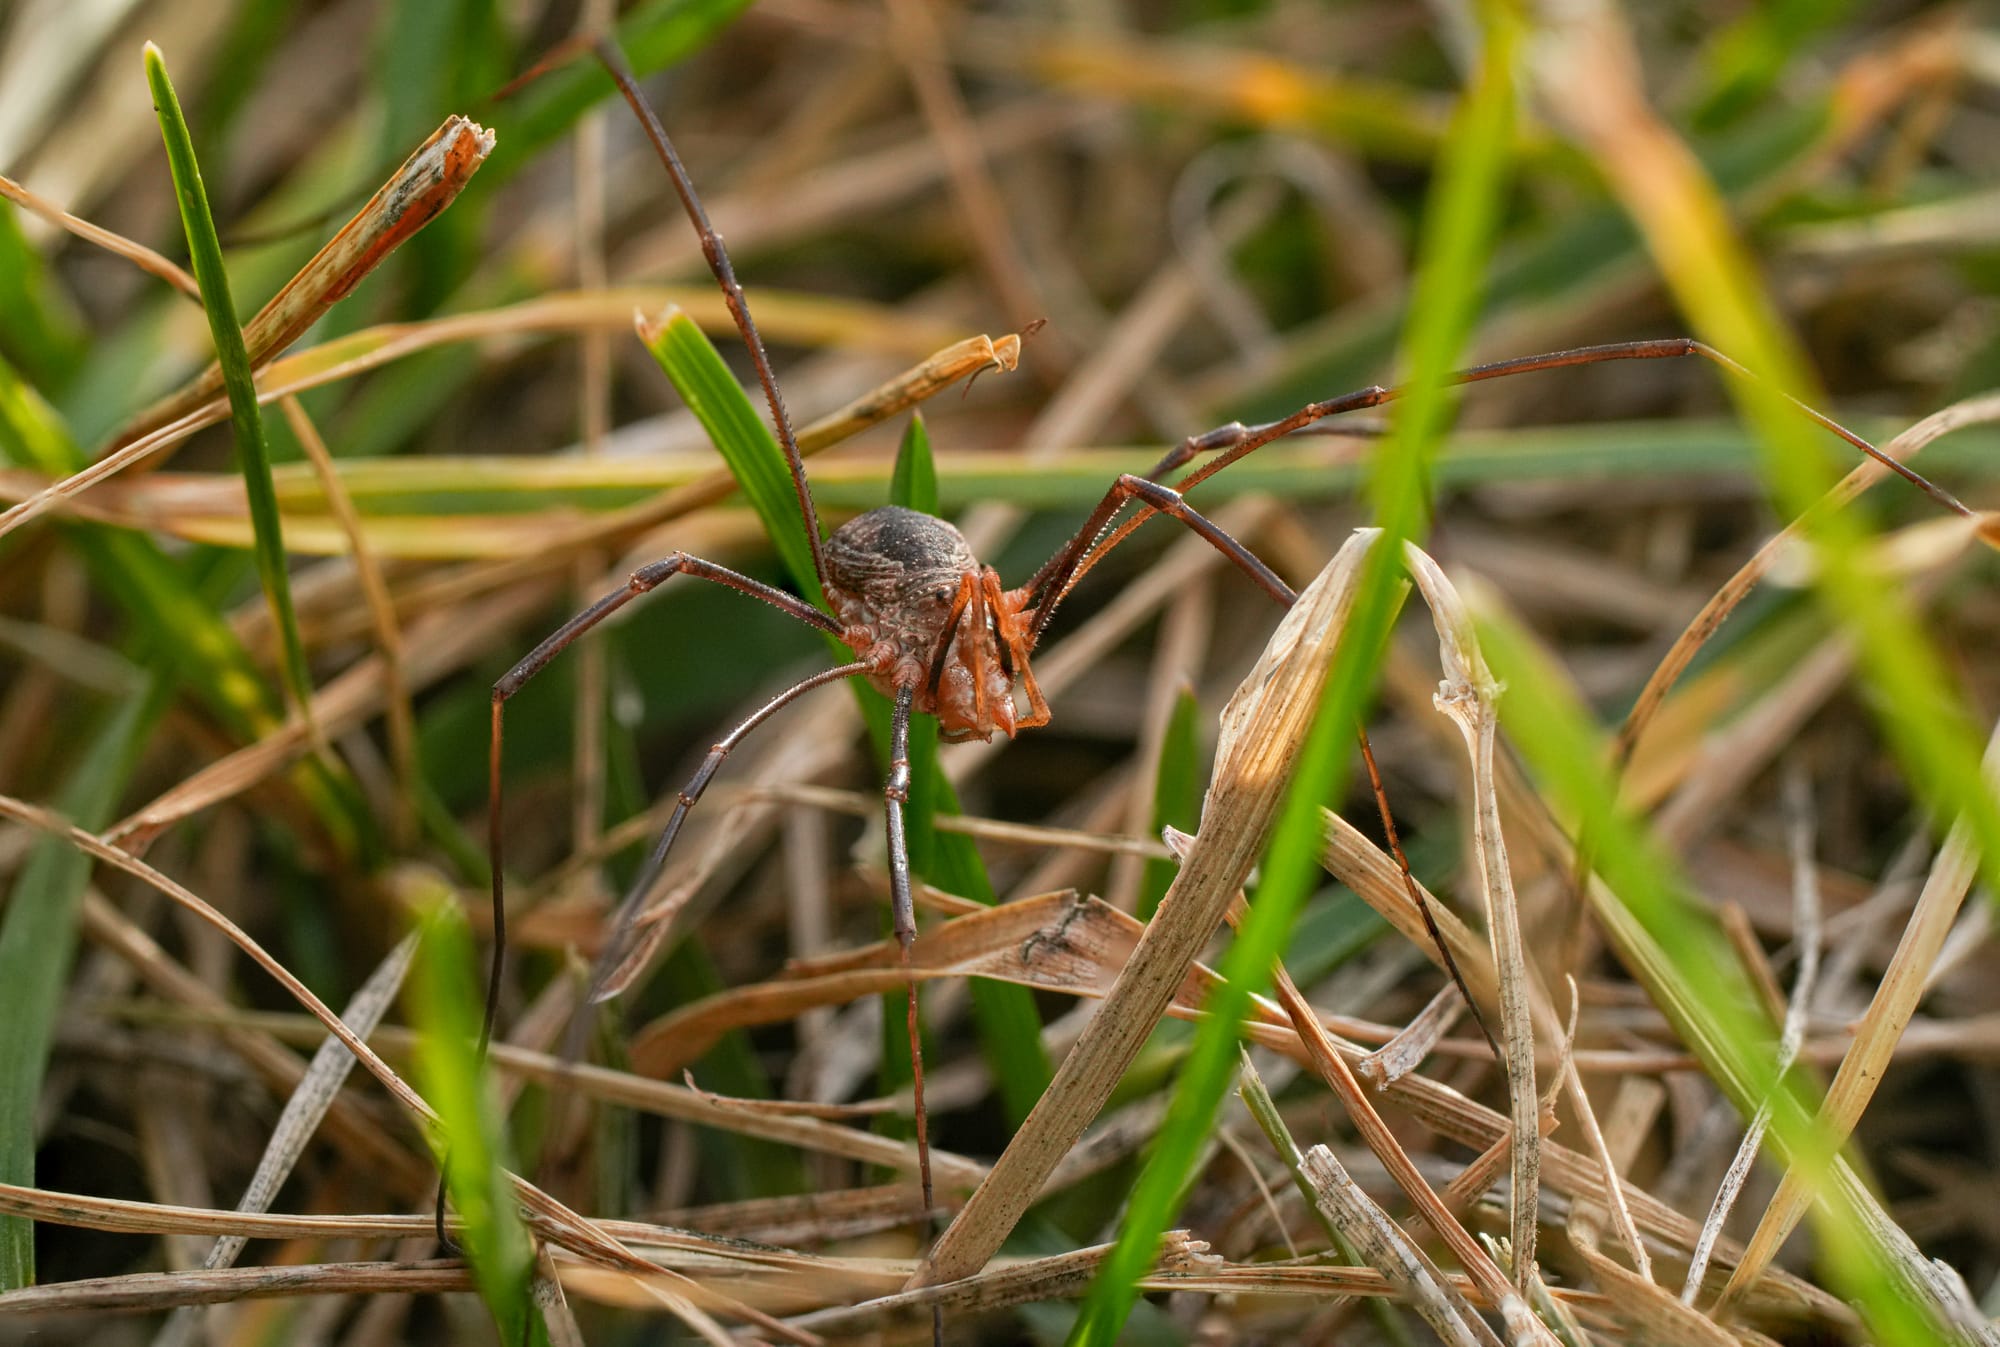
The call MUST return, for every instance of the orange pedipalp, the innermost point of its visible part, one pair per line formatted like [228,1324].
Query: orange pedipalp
[966,590]
[1007,614]
[974,640]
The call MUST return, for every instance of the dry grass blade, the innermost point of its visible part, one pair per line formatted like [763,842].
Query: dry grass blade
[428,181]
[124,1216]
[1350,857]
[1466,697]
[905,1315]
[1414,1041]
[1389,1251]
[1970,412]
[1644,1309]
[221,1286]
[154,1218]
[138,254]
[1057,942]
[1264,725]
[679,1102]
[966,359]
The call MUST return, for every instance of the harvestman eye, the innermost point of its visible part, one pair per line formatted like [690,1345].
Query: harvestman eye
[1009,622]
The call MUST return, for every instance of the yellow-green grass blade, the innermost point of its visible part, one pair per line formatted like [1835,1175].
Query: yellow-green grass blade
[253,451]
[458,507]
[1457,229]
[1714,281]
[37,944]
[444,999]
[1675,948]
[39,329]
[1009,1025]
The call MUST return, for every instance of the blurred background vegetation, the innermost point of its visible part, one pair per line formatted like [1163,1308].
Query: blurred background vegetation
[1214,204]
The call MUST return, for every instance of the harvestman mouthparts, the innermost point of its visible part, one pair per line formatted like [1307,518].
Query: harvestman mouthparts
[930,627]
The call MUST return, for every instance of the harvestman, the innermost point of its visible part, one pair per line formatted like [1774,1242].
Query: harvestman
[931,628]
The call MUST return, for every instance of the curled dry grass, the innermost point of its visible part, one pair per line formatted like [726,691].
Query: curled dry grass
[1539,1164]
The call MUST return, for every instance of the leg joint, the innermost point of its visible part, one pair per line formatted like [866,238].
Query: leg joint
[653,572]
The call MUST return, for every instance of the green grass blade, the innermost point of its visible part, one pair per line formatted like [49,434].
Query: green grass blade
[913,482]
[253,451]
[1176,794]
[1457,232]
[37,944]
[444,999]
[913,485]
[739,434]
[1009,1025]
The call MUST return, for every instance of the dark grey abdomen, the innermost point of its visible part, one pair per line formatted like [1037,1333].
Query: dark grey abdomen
[895,548]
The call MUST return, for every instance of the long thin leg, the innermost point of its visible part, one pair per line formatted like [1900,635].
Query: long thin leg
[1052,582]
[732,292]
[1234,441]
[643,580]
[903,916]
[690,794]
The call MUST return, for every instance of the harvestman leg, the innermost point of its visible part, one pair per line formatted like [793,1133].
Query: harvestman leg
[689,795]
[1054,578]
[1236,440]
[903,915]
[643,580]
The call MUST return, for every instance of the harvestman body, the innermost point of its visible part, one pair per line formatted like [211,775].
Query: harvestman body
[930,627]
